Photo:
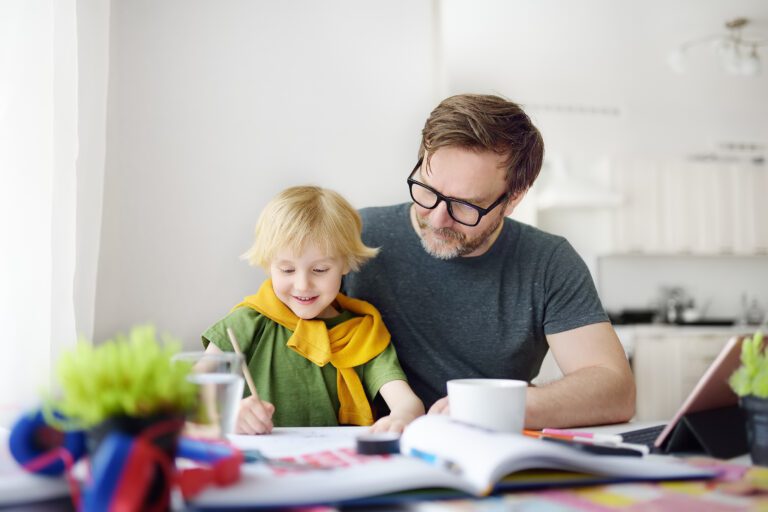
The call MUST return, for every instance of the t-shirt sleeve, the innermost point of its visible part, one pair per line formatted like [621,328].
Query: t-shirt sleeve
[244,323]
[381,369]
[571,298]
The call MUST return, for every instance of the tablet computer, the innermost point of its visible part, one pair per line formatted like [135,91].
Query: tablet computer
[712,391]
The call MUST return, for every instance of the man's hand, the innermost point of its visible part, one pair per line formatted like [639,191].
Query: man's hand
[254,416]
[440,407]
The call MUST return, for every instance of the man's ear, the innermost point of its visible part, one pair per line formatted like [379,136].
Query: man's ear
[512,204]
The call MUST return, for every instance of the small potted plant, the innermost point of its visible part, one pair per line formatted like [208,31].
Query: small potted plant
[127,385]
[750,383]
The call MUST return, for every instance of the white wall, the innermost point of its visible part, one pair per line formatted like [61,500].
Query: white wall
[216,106]
[594,73]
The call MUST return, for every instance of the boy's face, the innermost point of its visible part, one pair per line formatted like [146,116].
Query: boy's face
[308,282]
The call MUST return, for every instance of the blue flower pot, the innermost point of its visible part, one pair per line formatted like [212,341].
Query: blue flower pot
[756,412]
[123,477]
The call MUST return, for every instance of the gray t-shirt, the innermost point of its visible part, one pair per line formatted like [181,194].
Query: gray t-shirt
[484,316]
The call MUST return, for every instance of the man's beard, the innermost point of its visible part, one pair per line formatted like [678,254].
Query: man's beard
[445,249]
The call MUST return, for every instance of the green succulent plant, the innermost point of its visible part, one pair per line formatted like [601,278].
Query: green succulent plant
[125,376]
[751,378]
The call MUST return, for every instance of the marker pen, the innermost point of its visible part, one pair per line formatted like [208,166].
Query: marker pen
[603,438]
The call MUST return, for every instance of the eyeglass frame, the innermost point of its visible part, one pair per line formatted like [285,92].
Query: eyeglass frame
[482,212]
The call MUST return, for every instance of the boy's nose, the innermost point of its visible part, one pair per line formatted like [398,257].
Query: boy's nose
[302,281]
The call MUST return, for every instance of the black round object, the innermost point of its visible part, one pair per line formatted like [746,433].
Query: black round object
[378,443]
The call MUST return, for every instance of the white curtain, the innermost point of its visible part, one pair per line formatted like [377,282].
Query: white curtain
[38,152]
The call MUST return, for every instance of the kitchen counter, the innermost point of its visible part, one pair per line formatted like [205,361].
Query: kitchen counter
[708,340]
[629,333]
[669,360]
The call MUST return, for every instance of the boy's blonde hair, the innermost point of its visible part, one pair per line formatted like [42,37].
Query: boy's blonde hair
[300,216]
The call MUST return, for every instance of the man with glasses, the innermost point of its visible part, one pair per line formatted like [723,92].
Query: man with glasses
[467,292]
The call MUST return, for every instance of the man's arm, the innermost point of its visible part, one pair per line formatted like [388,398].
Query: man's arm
[597,386]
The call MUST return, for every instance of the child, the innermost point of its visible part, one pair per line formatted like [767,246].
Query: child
[317,357]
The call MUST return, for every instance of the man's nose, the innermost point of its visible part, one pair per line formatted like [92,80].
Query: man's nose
[439,217]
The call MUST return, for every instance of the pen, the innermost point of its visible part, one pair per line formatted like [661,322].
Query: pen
[602,449]
[538,434]
[643,449]
[257,456]
[606,438]
[246,371]
[435,460]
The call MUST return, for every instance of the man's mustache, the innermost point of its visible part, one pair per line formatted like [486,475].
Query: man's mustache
[449,233]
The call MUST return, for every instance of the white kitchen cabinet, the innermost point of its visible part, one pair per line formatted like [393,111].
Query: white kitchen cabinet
[700,208]
[668,362]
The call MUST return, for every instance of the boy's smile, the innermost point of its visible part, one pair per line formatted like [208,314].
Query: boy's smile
[308,282]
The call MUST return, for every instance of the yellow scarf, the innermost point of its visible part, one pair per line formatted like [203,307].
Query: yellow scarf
[345,346]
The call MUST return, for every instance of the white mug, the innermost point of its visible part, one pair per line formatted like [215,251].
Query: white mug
[495,404]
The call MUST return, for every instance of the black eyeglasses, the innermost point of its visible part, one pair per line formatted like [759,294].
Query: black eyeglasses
[461,211]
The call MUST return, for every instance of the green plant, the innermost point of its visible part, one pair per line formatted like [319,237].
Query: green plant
[751,378]
[126,376]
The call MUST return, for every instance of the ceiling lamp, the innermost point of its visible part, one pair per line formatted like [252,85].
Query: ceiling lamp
[738,53]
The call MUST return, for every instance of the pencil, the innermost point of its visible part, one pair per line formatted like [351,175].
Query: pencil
[540,435]
[246,371]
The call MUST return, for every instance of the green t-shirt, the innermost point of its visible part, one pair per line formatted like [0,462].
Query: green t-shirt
[304,394]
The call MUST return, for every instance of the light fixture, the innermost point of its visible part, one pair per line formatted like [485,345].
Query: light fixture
[737,52]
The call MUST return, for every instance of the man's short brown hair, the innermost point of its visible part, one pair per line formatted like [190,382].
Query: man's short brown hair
[487,123]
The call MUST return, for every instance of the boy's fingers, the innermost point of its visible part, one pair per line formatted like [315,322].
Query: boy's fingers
[263,414]
[254,425]
[255,416]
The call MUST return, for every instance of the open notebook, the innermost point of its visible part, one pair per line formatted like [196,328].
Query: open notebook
[711,396]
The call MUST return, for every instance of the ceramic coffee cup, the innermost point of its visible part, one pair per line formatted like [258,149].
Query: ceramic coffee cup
[495,404]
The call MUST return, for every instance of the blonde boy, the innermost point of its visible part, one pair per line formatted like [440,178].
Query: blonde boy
[317,357]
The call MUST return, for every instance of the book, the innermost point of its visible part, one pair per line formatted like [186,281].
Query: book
[436,453]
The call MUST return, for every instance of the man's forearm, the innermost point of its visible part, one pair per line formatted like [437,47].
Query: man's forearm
[590,396]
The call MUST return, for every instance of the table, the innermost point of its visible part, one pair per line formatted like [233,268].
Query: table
[726,494]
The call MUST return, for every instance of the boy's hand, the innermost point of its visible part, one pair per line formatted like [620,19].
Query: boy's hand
[404,407]
[254,416]
[392,423]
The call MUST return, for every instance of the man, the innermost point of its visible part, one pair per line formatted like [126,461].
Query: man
[468,292]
